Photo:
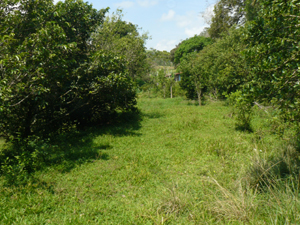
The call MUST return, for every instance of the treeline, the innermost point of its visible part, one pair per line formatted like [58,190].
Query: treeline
[251,55]
[64,65]
[160,79]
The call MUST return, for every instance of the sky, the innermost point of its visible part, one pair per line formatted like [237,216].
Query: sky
[167,22]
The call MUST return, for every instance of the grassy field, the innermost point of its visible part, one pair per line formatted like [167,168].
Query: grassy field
[177,163]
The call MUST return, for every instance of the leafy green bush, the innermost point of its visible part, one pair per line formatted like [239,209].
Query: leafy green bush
[51,79]
[242,110]
[19,160]
[273,58]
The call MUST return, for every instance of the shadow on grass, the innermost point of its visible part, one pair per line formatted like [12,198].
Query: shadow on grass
[78,147]
[67,150]
[243,129]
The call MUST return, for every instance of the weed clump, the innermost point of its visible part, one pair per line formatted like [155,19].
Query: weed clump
[265,173]
[269,189]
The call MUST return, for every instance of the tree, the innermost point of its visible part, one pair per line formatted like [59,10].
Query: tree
[229,13]
[122,38]
[163,81]
[172,53]
[171,82]
[225,64]
[194,77]
[218,69]
[194,44]
[158,58]
[50,77]
[273,57]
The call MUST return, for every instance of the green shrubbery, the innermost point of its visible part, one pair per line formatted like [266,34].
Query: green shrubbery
[242,110]
[254,54]
[52,77]
[55,76]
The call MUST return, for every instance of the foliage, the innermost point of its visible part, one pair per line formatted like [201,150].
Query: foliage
[242,109]
[158,58]
[160,84]
[273,57]
[220,68]
[172,52]
[229,13]
[51,80]
[194,78]
[123,39]
[171,83]
[194,44]
[187,83]
[18,161]
[163,81]
[225,64]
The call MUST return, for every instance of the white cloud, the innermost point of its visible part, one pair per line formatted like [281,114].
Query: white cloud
[125,4]
[147,3]
[169,16]
[167,45]
[190,32]
[184,21]
[191,21]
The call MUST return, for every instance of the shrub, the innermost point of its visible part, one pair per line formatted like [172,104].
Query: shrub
[242,110]
[50,79]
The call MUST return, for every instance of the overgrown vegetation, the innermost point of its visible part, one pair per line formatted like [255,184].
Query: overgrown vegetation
[76,149]
[52,77]
[254,54]
[57,73]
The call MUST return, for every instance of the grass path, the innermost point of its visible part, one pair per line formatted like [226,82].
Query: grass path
[155,171]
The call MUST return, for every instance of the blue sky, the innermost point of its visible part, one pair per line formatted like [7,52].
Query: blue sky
[166,21]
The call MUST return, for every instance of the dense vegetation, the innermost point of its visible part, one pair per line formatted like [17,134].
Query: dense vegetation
[254,58]
[73,137]
[190,45]
[51,77]
[62,67]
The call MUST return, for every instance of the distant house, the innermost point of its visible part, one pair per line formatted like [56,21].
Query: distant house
[177,76]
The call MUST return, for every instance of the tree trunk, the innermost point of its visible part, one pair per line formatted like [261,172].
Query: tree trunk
[171,90]
[198,89]
[199,97]
[164,91]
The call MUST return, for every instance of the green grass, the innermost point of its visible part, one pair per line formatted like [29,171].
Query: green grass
[176,164]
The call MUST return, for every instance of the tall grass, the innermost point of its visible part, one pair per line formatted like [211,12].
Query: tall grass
[175,163]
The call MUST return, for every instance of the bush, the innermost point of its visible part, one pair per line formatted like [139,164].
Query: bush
[51,79]
[242,110]
[19,160]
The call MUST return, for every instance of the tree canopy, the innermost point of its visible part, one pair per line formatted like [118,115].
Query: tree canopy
[273,56]
[194,44]
[51,77]
[229,13]
[123,39]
